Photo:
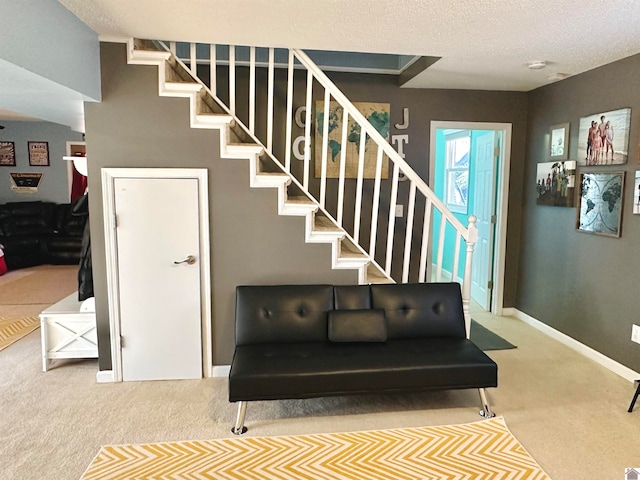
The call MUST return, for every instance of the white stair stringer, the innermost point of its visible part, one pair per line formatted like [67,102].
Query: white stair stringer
[319,226]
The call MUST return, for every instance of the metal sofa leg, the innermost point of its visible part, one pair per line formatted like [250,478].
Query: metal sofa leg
[486,409]
[635,397]
[239,427]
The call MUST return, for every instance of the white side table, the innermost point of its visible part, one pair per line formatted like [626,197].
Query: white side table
[68,332]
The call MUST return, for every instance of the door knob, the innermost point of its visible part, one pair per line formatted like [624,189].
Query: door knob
[190,260]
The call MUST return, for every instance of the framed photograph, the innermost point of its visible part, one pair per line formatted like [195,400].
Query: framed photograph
[38,154]
[636,194]
[600,210]
[603,138]
[555,183]
[7,154]
[559,144]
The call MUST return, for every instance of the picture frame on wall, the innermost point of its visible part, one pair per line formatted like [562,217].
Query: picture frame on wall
[636,194]
[601,200]
[555,183]
[7,154]
[379,114]
[38,154]
[603,138]
[559,142]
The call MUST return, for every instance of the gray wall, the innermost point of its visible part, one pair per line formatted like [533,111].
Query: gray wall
[54,186]
[250,243]
[580,284]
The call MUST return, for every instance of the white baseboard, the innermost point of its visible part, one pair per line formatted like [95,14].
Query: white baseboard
[105,376]
[509,312]
[572,343]
[220,370]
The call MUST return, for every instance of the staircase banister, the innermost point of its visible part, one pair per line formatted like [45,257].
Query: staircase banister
[342,99]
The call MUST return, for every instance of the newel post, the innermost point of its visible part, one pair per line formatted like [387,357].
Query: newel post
[472,238]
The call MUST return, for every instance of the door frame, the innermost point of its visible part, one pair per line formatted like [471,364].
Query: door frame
[108,200]
[502,197]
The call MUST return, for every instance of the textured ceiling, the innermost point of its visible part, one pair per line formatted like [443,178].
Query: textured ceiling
[484,44]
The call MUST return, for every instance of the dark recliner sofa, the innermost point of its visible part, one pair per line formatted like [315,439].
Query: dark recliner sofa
[303,341]
[36,233]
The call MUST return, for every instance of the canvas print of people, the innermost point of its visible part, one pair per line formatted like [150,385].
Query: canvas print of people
[555,183]
[603,138]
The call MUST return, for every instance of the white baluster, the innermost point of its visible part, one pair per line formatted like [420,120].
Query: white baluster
[232,79]
[392,218]
[307,131]
[409,233]
[287,154]
[456,258]
[212,70]
[172,48]
[325,147]
[472,238]
[359,181]
[376,204]
[252,90]
[343,164]
[270,104]
[443,227]
[193,61]
[426,240]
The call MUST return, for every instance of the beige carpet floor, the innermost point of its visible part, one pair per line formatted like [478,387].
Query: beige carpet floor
[569,412]
[26,292]
[472,451]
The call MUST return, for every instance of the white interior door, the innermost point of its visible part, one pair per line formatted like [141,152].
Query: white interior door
[484,210]
[157,223]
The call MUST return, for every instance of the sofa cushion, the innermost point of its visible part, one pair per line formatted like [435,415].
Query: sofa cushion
[282,313]
[306,370]
[365,325]
[421,310]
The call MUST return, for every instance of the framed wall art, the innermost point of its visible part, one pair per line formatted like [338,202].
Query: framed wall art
[603,138]
[379,116]
[38,154]
[7,154]
[555,183]
[600,209]
[559,143]
[636,194]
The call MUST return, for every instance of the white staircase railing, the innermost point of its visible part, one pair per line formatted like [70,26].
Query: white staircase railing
[249,89]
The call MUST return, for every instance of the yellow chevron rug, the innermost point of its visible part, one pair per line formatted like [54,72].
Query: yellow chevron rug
[483,450]
[13,329]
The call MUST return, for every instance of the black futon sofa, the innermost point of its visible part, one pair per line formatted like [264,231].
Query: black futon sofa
[36,233]
[304,341]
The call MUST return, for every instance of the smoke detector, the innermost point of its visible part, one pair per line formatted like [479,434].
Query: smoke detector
[536,64]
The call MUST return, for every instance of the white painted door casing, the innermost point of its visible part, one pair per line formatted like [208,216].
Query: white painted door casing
[159,310]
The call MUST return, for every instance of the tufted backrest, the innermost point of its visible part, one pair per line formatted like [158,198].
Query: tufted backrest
[420,309]
[282,313]
[351,297]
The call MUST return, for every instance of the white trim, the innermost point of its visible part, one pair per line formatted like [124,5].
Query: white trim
[108,197]
[502,190]
[220,371]
[113,39]
[105,376]
[606,362]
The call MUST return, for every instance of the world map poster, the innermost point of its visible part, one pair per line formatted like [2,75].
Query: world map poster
[601,203]
[378,114]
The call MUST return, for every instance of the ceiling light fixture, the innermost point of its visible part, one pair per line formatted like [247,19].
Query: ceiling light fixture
[536,64]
